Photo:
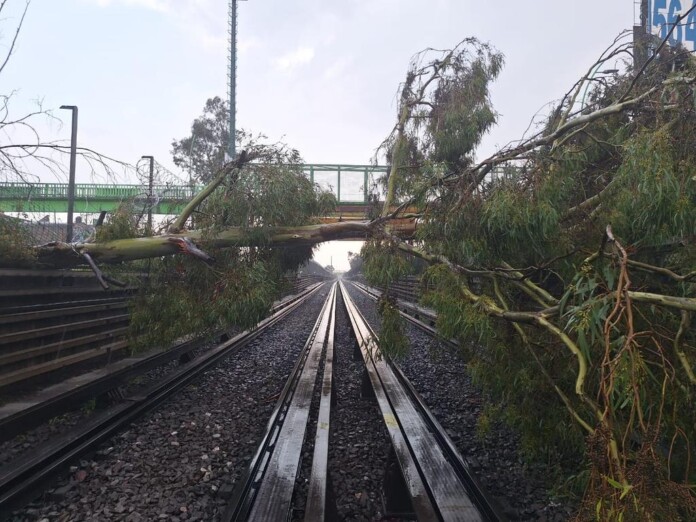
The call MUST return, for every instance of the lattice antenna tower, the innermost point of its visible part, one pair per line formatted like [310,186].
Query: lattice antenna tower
[232,78]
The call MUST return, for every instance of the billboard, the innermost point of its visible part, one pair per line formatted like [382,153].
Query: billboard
[663,14]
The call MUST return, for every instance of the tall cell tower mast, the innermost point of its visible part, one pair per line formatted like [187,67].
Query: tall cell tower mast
[232,80]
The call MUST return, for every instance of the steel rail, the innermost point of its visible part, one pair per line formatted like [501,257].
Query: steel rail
[24,477]
[265,491]
[428,459]
[316,505]
[16,417]
[411,312]
[486,504]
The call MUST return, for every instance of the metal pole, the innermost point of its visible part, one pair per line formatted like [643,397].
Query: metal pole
[365,182]
[193,141]
[71,179]
[339,184]
[150,199]
[233,79]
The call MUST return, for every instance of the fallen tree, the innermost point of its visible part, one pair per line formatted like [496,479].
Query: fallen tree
[563,264]
[132,249]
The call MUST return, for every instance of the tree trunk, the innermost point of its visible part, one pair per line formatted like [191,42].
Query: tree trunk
[65,255]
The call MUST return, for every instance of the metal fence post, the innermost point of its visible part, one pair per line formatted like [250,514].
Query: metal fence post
[71,179]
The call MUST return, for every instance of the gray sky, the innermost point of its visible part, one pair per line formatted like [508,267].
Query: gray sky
[320,75]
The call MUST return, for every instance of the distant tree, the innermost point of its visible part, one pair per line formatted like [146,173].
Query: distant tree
[356,261]
[203,152]
[329,269]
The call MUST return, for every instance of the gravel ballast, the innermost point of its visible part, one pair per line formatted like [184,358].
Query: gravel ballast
[441,378]
[180,461]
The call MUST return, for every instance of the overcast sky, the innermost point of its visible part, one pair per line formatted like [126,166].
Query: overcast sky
[321,75]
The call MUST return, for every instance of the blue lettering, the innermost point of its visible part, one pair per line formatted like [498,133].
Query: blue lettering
[690,28]
[658,19]
[672,17]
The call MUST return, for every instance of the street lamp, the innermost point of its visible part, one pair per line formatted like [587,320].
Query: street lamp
[71,179]
[149,194]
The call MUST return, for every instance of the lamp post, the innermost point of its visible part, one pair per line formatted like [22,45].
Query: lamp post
[71,179]
[149,194]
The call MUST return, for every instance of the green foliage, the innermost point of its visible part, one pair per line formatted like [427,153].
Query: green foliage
[383,264]
[584,219]
[184,298]
[461,110]
[501,365]
[15,243]
[392,341]
[456,318]
[657,202]
[443,113]
[515,222]
[265,196]
[121,224]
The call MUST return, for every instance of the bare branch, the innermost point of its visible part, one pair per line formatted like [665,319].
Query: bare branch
[14,40]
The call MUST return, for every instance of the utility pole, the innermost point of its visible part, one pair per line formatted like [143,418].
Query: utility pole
[641,36]
[232,78]
[71,179]
[150,199]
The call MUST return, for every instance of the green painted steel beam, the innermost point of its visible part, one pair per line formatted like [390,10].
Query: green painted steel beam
[89,197]
[81,207]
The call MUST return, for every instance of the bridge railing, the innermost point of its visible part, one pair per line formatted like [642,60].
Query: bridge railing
[59,191]
[17,191]
[353,192]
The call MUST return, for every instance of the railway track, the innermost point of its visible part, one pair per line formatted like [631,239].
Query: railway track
[57,323]
[288,475]
[17,417]
[435,482]
[23,478]
[265,492]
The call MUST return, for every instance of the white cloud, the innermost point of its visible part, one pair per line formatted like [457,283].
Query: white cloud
[244,45]
[294,59]
[338,68]
[199,19]
[155,5]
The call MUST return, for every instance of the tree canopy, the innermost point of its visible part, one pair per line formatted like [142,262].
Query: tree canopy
[202,153]
[564,265]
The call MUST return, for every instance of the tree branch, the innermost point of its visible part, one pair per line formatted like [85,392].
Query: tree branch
[230,168]
[14,40]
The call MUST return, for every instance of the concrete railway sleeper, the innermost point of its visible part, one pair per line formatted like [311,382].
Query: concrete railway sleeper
[25,477]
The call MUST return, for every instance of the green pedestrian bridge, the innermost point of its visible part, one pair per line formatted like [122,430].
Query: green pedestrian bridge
[350,183]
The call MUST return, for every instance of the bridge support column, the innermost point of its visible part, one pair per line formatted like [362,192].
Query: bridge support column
[366,180]
[338,185]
